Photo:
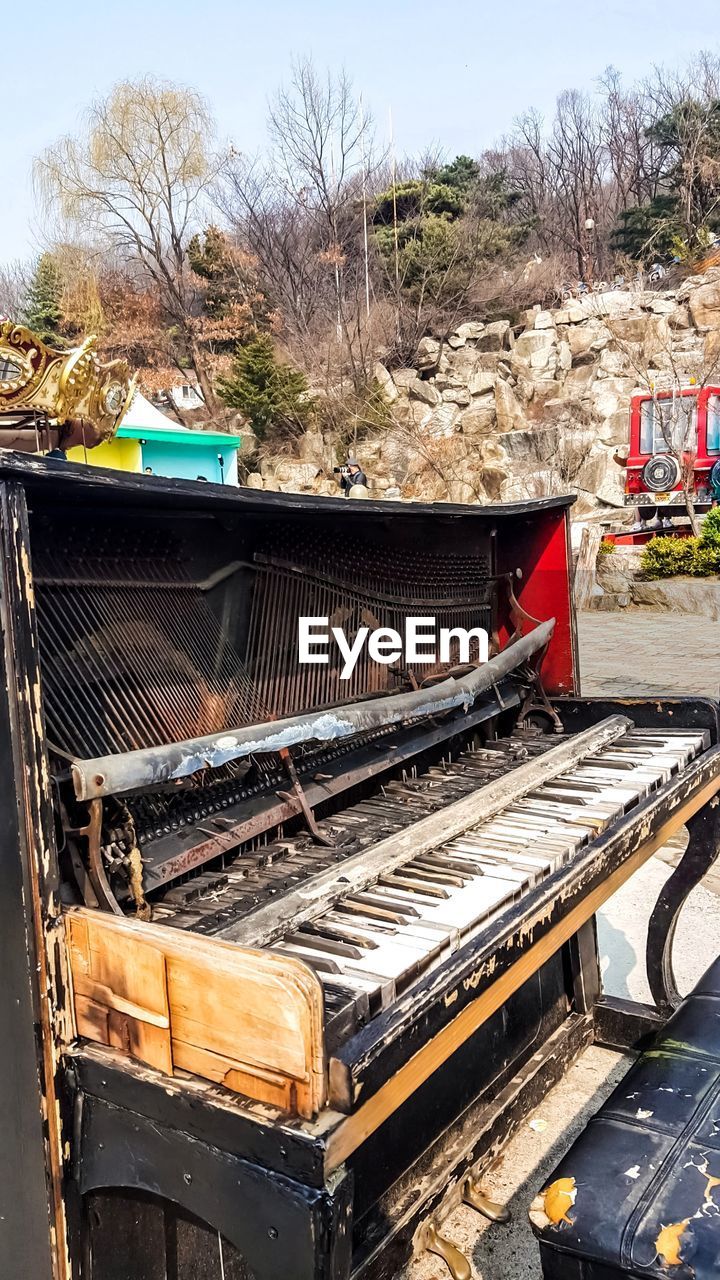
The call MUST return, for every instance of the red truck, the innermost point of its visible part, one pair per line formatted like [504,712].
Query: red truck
[664,426]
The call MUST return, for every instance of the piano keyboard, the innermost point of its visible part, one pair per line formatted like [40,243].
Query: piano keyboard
[370,945]
[209,902]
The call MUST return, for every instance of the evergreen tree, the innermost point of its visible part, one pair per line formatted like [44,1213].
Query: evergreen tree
[270,394]
[441,226]
[648,231]
[462,174]
[43,310]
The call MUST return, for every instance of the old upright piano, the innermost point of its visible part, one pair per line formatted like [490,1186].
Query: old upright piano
[286,957]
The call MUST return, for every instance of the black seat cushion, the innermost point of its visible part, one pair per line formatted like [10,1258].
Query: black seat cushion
[638,1194]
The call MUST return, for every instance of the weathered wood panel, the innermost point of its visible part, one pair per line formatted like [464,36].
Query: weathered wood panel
[250,1020]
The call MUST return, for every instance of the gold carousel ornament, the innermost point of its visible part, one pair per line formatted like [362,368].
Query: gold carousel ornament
[57,399]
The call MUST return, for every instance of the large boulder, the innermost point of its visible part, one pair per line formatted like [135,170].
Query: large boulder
[545,389]
[663,306]
[545,320]
[496,468]
[631,328]
[564,360]
[385,382]
[579,379]
[544,363]
[711,353]
[614,303]
[609,397]
[428,353]
[403,378]
[613,362]
[423,390]
[679,317]
[248,442]
[587,340]
[480,418]
[618,572]
[602,476]
[311,448]
[532,342]
[456,395]
[295,475]
[496,336]
[461,491]
[575,313]
[509,411]
[681,595]
[471,330]
[658,340]
[464,363]
[704,303]
[614,428]
[411,414]
[526,448]
[442,421]
[482,382]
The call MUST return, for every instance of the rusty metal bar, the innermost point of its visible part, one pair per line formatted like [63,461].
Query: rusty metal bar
[115,774]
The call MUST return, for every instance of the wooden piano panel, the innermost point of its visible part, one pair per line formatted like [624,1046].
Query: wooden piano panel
[249,1020]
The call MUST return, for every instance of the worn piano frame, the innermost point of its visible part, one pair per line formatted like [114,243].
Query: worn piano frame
[87,1131]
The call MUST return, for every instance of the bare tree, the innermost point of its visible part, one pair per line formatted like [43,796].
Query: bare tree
[301,212]
[135,179]
[682,113]
[14,281]
[632,152]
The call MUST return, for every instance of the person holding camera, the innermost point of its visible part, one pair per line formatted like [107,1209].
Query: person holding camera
[350,475]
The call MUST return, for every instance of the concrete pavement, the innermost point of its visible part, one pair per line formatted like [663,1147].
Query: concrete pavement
[640,652]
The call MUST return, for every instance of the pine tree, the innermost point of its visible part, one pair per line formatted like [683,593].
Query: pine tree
[271,395]
[43,311]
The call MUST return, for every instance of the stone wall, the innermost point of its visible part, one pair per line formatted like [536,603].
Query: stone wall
[620,586]
[501,412]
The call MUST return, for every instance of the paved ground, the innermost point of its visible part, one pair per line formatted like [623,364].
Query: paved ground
[638,651]
[621,653]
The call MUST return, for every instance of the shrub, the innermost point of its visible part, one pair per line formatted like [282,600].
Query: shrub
[606,548]
[706,561]
[668,557]
[710,531]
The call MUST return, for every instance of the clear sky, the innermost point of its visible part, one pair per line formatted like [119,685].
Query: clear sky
[455,72]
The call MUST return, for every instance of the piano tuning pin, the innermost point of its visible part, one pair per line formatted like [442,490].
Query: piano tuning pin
[473,1196]
[455,1261]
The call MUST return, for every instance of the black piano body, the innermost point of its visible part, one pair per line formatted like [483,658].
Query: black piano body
[139,614]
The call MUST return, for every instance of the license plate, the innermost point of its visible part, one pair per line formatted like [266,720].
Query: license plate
[662,497]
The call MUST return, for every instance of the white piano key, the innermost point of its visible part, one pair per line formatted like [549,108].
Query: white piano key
[473,903]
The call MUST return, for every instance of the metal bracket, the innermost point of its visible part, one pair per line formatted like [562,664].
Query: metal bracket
[537,700]
[96,874]
[298,793]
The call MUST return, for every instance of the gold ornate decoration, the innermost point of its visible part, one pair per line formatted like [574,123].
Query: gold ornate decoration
[62,387]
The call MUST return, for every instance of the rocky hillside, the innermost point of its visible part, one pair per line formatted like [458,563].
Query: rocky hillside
[501,412]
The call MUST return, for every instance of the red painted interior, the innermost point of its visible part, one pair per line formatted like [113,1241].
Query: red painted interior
[538,545]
